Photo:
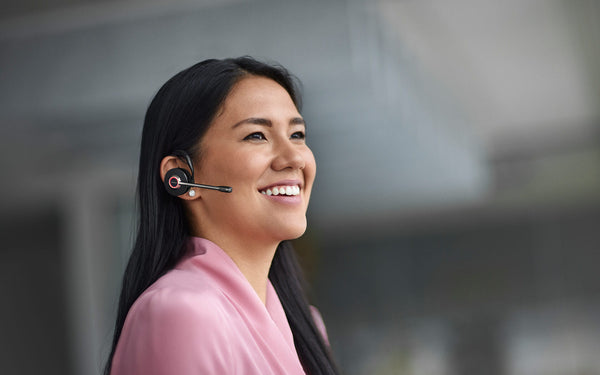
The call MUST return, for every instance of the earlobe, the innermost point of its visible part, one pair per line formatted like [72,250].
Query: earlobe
[190,195]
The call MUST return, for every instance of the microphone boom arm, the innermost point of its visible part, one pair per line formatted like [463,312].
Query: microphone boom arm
[224,189]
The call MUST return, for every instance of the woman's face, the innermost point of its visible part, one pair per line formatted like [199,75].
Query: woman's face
[256,145]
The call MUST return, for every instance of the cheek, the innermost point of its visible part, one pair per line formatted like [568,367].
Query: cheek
[241,166]
[310,166]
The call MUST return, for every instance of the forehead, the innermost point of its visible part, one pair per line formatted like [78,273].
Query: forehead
[253,95]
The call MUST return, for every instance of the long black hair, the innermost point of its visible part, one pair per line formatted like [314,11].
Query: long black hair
[177,119]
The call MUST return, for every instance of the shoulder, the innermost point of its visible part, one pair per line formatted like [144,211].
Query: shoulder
[177,304]
[174,328]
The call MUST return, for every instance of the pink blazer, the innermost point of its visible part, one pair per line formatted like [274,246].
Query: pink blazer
[203,317]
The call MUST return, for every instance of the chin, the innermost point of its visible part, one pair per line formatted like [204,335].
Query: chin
[292,232]
[297,235]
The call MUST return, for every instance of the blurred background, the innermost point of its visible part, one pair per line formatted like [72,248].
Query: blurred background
[455,222]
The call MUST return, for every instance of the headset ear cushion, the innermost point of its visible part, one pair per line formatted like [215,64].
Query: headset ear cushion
[172,179]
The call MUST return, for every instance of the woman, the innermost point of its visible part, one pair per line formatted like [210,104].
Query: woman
[212,285]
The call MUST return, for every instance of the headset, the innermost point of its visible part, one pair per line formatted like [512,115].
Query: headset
[178,181]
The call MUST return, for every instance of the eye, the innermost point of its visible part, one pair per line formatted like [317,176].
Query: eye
[257,136]
[298,135]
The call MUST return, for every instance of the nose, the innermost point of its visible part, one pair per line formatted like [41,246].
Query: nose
[288,155]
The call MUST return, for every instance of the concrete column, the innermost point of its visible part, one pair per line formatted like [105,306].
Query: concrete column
[92,257]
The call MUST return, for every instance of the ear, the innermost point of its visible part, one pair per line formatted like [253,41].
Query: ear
[170,162]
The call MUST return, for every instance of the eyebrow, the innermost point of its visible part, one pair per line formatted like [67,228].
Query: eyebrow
[267,122]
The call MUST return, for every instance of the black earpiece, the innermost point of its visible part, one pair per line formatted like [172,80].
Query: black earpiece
[175,180]
[178,181]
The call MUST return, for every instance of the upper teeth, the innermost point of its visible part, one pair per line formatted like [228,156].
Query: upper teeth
[282,190]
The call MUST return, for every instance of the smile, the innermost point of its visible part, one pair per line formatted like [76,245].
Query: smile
[282,190]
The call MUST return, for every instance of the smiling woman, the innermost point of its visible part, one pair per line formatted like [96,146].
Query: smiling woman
[212,285]
[255,143]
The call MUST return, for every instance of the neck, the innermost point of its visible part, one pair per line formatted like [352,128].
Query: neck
[253,259]
[255,265]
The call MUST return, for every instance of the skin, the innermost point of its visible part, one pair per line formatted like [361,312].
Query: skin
[256,140]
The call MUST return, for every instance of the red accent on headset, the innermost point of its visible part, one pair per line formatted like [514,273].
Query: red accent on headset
[176,182]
